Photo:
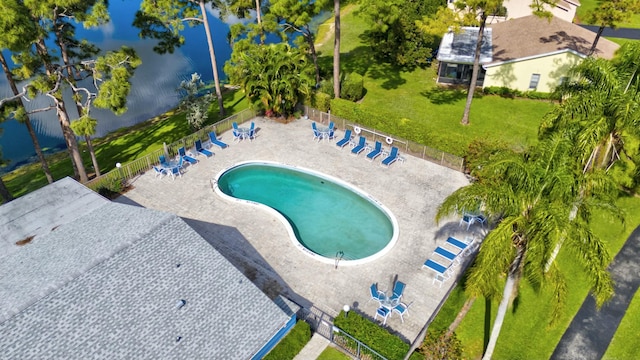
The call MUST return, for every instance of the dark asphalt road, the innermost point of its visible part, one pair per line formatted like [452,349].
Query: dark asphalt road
[589,334]
[618,33]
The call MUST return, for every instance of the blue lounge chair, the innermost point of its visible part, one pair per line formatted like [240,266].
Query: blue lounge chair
[464,247]
[377,150]
[345,140]
[202,151]
[398,290]
[362,143]
[393,156]
[214,141]
[183,155]
[445,253]
[441,271]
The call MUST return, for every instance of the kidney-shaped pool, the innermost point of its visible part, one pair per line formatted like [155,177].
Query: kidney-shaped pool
[327,218]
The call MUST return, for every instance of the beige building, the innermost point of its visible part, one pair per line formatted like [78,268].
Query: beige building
[527,54]
[534,54]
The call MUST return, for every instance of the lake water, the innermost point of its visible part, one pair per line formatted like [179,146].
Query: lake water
[153,87]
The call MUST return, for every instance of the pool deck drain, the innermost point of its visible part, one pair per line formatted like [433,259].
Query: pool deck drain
[258,245]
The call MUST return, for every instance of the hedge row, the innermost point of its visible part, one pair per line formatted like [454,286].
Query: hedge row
[292,343]
[374,336]
[513,93]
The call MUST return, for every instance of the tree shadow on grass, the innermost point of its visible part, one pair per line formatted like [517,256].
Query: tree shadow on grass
[439,96]
[448,95]
[360,60]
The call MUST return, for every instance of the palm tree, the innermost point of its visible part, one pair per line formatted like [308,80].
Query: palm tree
[532,195]
[600,108]
[274,76]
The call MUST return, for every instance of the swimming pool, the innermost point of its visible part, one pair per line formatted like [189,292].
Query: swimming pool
[326,217]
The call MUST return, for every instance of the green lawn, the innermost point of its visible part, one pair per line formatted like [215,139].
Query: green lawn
[331,353]
[414,95]
[529,313]
[625,343]
[587,6]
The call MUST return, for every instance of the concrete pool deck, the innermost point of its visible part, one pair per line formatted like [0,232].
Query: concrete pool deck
[257,243]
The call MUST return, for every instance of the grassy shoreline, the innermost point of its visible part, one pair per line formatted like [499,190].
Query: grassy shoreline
[122,145]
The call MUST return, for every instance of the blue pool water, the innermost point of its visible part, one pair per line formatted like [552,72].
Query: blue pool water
[326,215]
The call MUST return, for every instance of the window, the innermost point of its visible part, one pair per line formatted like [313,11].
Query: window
[535,79]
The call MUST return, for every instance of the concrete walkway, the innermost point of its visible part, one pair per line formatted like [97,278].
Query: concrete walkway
[591,331]
[314,348]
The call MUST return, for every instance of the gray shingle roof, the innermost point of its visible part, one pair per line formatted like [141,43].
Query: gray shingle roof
[54,205]
[107,285]
[460,47]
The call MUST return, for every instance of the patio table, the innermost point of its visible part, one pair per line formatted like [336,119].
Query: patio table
[389,302]
[324,132]
[244,132]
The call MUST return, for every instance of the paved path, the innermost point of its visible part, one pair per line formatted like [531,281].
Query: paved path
[589,334]
[623,33]
[314,348]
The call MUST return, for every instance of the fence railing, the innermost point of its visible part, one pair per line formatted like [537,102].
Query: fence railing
[353,346]
[406,146]
[138,166]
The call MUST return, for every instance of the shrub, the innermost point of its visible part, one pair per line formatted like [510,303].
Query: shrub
[292,343]
[321,101]
[438,346]
[513,93]
[352,87]
[480,152]
[111,187]
[374,336]
[326,86]
[537,95]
